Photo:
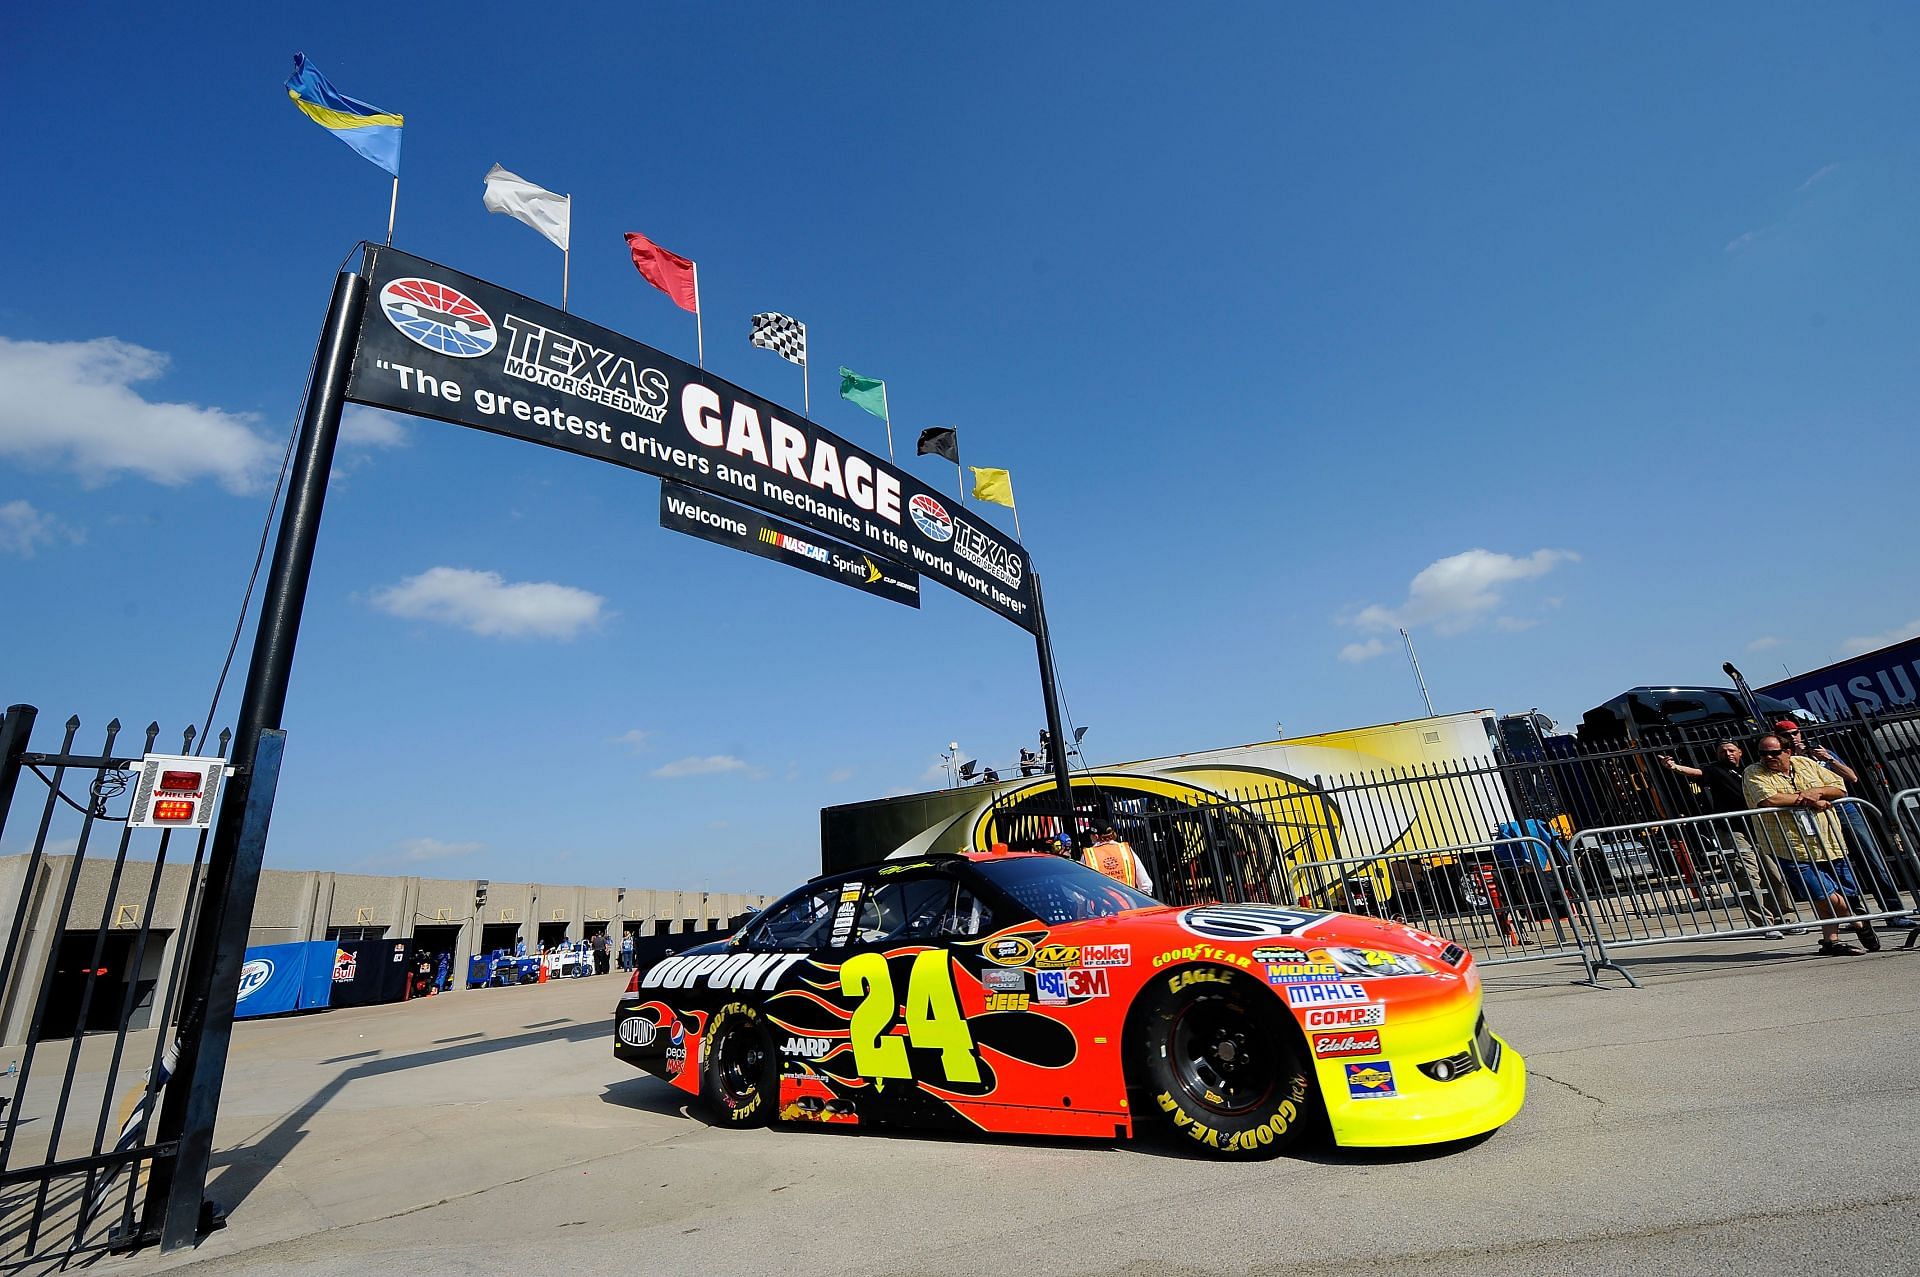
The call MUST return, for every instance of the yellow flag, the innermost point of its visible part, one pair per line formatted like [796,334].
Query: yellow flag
[992,485]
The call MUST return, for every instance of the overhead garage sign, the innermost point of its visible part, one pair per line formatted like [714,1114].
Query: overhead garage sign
[440,344]
[700,514]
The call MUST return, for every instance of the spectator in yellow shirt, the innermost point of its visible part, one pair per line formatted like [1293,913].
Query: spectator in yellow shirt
[1805,837]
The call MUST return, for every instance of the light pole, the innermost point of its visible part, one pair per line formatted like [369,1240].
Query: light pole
[1416,671]
[951,758]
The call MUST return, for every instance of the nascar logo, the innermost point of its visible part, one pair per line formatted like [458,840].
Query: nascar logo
[440,318]
[931,518]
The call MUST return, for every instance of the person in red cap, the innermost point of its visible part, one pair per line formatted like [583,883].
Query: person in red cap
[1877,873]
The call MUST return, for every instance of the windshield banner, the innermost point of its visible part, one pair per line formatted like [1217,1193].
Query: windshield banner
[437,343]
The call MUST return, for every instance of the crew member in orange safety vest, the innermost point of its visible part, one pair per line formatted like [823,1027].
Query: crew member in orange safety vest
[1118,861]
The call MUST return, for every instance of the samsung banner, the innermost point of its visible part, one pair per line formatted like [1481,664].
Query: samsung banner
[689,510]
[437,343]
[1885,680]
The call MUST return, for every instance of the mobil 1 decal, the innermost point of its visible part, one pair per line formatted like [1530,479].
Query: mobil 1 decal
[700,514]
[437,343]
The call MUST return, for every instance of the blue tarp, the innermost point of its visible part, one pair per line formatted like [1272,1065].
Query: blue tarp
[285,977]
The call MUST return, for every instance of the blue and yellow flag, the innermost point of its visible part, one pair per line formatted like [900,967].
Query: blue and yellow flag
[366,128]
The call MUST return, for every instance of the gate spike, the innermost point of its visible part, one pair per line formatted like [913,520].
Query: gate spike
[187,738]
[226,738]
[113,728]
[153,734]
[73,724]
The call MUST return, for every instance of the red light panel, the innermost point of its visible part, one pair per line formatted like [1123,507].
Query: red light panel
[180,780]
[173,809]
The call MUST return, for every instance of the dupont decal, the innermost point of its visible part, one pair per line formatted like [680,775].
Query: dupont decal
[1106,955]
[1370,1016]
[721,971]
[1325,994]
[1249,922]
[931,518]
[253,977]
[635,1031]
[1331,1046]
[1370,1080]
[1004,981]
[439,318]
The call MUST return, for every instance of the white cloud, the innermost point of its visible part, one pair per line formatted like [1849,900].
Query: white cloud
[840,775]
[486,604]
[1748,240]
[711,765]
[73,404]
[1456,593]
[414,849]
[635,740]
[364,427]
[1366,651]
[1871,642]
[23,529]
[1820,175]
[1765,643]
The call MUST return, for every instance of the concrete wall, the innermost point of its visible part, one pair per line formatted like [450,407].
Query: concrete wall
[295,905]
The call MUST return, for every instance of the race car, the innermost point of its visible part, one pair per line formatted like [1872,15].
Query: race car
[1027,994]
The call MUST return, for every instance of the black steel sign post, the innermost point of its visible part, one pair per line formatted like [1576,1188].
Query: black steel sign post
[416,337]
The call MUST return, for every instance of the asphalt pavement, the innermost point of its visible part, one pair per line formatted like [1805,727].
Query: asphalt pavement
[1750,1109]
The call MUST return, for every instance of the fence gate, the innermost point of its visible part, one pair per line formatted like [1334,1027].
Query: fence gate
[92,986]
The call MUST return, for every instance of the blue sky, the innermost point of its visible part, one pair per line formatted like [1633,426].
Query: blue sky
[1580,340]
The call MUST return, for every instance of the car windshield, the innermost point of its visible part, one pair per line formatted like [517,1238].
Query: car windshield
[1059,890]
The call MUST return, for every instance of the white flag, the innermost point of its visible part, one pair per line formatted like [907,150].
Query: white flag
[538,207]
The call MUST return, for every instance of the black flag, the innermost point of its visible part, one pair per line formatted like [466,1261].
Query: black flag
[941,441]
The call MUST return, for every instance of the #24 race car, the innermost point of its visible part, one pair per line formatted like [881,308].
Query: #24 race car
[1027,994]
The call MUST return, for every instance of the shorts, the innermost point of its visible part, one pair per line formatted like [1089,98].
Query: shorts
[1817,881]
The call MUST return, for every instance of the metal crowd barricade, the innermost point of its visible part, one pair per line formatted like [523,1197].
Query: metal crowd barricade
[1906,818]
[1509,899]
[1692,877]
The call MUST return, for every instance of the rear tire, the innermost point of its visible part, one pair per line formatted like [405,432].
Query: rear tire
[740,1079]
[1224,1065]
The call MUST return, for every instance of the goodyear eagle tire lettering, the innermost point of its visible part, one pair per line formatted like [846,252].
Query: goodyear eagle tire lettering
[740,1072]
[1224,1064]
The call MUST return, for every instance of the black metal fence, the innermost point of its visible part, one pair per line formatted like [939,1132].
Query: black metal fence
[1258,843]
[89,992]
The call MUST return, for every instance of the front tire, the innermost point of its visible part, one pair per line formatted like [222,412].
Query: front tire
[1224,1066]
[740,1080]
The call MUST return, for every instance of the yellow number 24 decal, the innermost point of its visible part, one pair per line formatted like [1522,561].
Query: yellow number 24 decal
[932,1018]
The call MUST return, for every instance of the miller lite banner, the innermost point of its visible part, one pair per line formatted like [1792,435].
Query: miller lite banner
[436,343]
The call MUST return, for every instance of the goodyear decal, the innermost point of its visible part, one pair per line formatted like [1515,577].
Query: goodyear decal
[1202,953]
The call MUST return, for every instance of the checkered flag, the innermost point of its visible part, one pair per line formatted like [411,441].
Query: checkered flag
[784,335]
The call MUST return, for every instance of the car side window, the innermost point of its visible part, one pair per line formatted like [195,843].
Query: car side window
[968,918]
[803,922]
[901,910]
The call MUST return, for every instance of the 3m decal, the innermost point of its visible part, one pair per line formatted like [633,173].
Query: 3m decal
[1370,1016]
[1106,955]
[1249,922]
[1329,1046]
[932,1017]
[1370,1080]
[743,971]
[1083,982]
[1321,995]
[1004,981]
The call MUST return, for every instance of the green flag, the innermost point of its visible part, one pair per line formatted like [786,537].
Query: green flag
[868,392]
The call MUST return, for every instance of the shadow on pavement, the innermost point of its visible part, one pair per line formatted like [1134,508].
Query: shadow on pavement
[242,1168]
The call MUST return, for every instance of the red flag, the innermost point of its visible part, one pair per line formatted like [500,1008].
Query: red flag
[669,272]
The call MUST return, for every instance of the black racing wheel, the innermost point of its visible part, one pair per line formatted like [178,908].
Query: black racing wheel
[1224,1065]
[740,1079]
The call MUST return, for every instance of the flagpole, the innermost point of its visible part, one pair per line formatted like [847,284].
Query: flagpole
[1017,535]
[958,476]
[392,208]
[806,394]
[566,257]
[886,415]
[699,333]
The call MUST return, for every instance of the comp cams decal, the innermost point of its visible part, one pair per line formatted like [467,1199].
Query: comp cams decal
[1370,1016]
[1249,922]
[743,971]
